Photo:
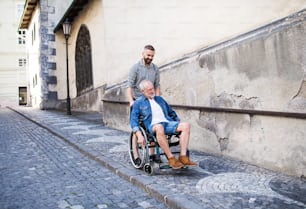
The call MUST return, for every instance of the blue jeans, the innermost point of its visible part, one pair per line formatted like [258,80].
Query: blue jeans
[169,127]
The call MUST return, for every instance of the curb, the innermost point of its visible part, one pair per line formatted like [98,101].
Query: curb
[132,176]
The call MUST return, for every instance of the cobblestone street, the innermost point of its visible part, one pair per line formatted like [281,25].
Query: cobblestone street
[38,170]
[51,160]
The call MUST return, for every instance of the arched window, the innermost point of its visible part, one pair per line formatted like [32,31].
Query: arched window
[83,64]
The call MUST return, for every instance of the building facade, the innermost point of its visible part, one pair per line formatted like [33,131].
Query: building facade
[118,30]
[239,68]
[13,55]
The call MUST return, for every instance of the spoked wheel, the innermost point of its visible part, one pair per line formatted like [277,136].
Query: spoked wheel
[139,155]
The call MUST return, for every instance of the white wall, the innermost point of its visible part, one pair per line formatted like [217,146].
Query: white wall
[34,76]
[119,29]
[177,27]
[12,76]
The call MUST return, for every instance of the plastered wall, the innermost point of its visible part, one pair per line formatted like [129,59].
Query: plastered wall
[119,29]
[209,55]
[262,70]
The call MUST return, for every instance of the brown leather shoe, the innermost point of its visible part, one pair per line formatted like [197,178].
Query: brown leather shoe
[174,163]
[186,161]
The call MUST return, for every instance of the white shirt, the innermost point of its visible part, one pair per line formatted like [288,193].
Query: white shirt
[157,113]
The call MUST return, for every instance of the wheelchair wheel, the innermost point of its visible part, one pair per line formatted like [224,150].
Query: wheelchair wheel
[148,168]
[138,151]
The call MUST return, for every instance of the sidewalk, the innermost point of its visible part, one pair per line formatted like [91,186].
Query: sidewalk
[216,183]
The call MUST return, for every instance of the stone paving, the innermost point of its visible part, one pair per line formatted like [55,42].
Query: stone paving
[217,182]
[41,171]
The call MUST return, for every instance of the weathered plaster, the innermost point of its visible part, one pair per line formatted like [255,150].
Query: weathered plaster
[265,72]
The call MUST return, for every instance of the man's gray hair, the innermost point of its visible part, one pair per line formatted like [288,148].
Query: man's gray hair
[144,84]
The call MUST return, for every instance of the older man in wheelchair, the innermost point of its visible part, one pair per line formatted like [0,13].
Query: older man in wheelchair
[160,120]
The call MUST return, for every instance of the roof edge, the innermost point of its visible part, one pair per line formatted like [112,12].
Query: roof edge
[60,23]
[27,14]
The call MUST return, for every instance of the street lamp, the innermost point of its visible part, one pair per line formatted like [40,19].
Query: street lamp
[67,30]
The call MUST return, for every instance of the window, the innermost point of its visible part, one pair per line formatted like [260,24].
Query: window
[35,80]
[21,37]
[84,81]
[33,33]
[22,62]
[32,37]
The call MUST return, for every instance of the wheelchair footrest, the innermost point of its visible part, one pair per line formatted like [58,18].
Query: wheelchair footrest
[164,167]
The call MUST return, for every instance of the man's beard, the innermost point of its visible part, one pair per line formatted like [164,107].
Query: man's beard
[152,96]
[148,61]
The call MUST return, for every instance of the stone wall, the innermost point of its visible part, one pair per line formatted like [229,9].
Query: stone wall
[47,55]
[90,101]
[263,70]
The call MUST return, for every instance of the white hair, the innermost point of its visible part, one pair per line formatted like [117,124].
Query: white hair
[144,84]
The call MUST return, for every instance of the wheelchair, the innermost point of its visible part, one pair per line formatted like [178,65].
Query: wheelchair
[150,153]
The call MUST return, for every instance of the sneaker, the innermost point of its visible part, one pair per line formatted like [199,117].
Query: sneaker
[174,163]
[137,161]
[186,161]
